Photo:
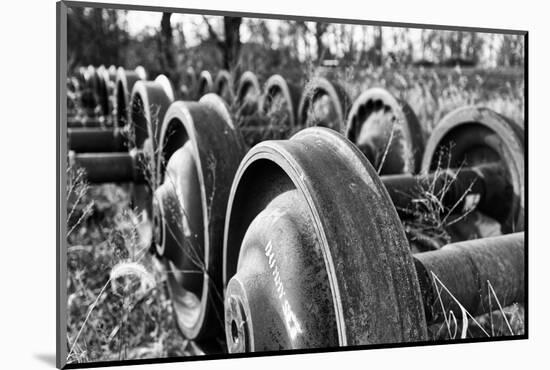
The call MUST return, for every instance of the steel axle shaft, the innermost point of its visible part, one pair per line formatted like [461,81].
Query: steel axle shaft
[465,270]
[111,167]
[87,122]
[483,186]
[96,140]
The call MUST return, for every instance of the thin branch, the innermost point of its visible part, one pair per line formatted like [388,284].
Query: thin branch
[213,35]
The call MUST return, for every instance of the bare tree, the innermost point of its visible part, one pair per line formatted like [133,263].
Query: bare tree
[231,44]
[378,46]
[166,47]
[320,30]
[232,40]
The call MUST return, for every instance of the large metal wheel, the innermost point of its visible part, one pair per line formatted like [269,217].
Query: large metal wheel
[474,136]
[148,105]
[279,104]
[125,81]
[247,96]
[103,90]
[205,84]
[324,103]
[223,86]
[306,266]
[199,153]
[387,131]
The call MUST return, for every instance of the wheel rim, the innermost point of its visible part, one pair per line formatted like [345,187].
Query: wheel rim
[277,105]
[148,105]
[125,81]
[471,136]
[205,84]
[313,163]
[323,104]
[202,135]
[224,86]
[248,93]
[387,131]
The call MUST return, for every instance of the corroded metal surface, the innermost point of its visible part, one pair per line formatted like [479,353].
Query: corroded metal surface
[387,131]
[90,140]
[365,260]
[464,275]
[280,95]
[324,103]
[125,81]
[297,254]
[299,244]
[110,167]
[247,96]
[484,187]
[199,153]
[472,136]
[148,105]
[275,117]
[223,86]
[205,85]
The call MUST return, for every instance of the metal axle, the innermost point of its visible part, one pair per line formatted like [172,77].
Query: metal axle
[111,167]
[96,140]
[86,122]
[467,274]
[311,267]
[485,187]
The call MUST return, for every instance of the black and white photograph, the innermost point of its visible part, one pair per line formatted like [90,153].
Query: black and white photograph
[251,185]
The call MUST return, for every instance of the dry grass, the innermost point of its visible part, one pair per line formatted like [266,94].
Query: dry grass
[428,220]
[117,304]
[498,322]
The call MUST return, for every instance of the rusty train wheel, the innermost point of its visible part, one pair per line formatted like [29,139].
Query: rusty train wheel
[223,86]
[102,89]
[279,104]
[125,81]
[199,153]
[205,84]
[324,103]
[148,105]
[248,94]
[276,115]
[387,131]
[308,267]
[472,136]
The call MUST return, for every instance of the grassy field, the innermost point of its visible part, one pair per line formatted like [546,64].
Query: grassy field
[117,301]
[117,304]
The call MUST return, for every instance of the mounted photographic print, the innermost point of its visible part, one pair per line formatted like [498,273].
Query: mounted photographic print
[237,184]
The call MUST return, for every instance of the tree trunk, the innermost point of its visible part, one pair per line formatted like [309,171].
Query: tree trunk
[232,45]
[167,59]
[378,46]
[320,29]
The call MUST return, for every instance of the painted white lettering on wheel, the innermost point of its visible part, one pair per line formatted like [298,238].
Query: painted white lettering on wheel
[291,320]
